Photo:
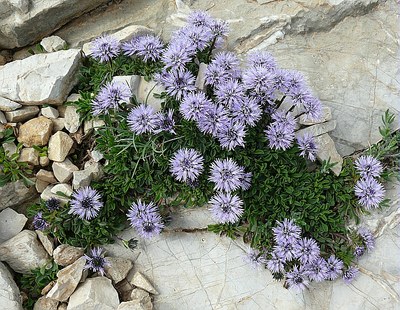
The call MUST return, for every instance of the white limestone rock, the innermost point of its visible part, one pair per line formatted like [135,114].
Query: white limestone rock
[142,297]
[95,169]
[67,280]
[64,188]
[44,303]
[317,129]
[140,281]
[92,124]
[41,185]
[326,116]
[46,241]
[41,78]
[132,81]
[44,161]
[131,305]
[14,193]
[10,298]
[36,131]
[3,119]
[11,223]
[24,252]
[200,80]
[95,293]
[53,44]
[63,171]
[46,176]
[118,269]
[50,112]
[327,150]
[21,115]
[71,119]
[9,148]
[7,105]
[96,156]
[65,254]
[58,124]
[81,178]
[29,155]
[59,146]
[146,93]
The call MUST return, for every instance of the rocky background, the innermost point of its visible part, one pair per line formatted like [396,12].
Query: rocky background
[349,52]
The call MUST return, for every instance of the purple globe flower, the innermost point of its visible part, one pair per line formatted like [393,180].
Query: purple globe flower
[229,93]
[85,203]
[95,261]
[186,165]
[306,250]
[295,80]
[276,263]
[280,136]
[253,258]
[286,232]
[318,270]
[368,166]
[145,218]
[247,111]
[359,251]
[245,181]
[199,19]
[335,267]
[297,278]
[193,105]
[215,75]
[261,59]
[219,28]
[147,47]
[226,174]
[178,54]
[281,80]
[213,118]
[285,251]
[312,109]
[370,193]
[350,274]
[259,81]
[138,210]
[223,67]
[105,48]
[368,238]
[198,37]
[300,96]
[165,122]
[53,204]
[143,119]
[307,146]
[178,83]
[227,61]
[110,96]
[232,135]
[39,223]
[226,208]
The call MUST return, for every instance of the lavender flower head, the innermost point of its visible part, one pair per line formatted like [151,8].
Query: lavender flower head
[307,146]
[262,59]
[370,192]
[317,270]
[297,279]
[285,251]
[223,67]
[226,208]
[295,80]
[213,119]
[253,258]
[286,232]
[306,250]
[359,251]
[193,105]
[143,119]
[85,203]
[147,47]
[53,204]
[368,238]
[368,166]
[276,263]
[178,83]
[226,174]
[110,96]
[247,111]
[245,181]
[105,48]
[186,165]
[335,267]
[198,37]
[312,109]
[350,274]
[280,136]
[165,122]
[39,223]
[259,81]
[230,92]
[145,218]
[178,54]
[95,261]
[232,135]
[199,19]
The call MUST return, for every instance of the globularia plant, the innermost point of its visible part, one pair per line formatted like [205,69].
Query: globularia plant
[228,140]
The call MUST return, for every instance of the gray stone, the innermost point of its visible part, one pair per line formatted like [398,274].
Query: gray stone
[118,269]
[10,298]
[46,241]
[8,105]
[95,293]
[41,185]
[41,78]
[22,114]
[47,194]
[11,223]
[96,156]
[67,280]
[24,22]
[92,124]
[326,116]
[64,188]
[81,178]
[24,252]
[63,171]
[3,119]
[9,148]
[71,119]
[44,303]
[58,124]
[142,297]
[44,161]
[29,155]
[317,129]
[14,193]
[327,150]
[53,44]
[131,305]
[36,131]
[139,280]
[200,80]
[95,169]
[59,146]
[72,98]
[50,112]
[146,93]
[65,254]
[46,176]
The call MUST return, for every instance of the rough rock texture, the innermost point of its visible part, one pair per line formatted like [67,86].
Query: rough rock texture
[50,112]
[36,131]
[67,280]
[23,22]
[8,105]
[48,194]
[9,292]
[118,269]
[44,303]
[95,293]
[11,223]
[41,78]
[63,171]
[14,193]
[24,252]
[327,151]
[59,146]
[139,280]
[64,188]
[53,44]
[142,297]
[65,254]
[71,119]
[46,241]
[46,176]
[21,115]
[29,155]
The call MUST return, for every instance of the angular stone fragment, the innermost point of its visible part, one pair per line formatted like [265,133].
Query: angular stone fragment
[95,169]
[7,105]
[48,287]
[65,254]
[14,193]
[81,178]
[96,156]
[47,194]
[146,93]
[22,114]
[44,303]
[95,293]
[46,241]
[131,305]
[58,124]
[67,280]
[142,297]
[71,119]
[118,269]
[11,223]
[36,131]
[317,129]
[46,176]
[92,124]
[326,116]
[9,148]
[124,289]
[3,119]
[44,161]
[24,252]
[327,150]
[29,155]
[41,78]
[53,44]
[63,171]
[200,80]
[50,112]
[140,281]
[10,298]
[40,185]
[132,81]
[59,146]
[64,188]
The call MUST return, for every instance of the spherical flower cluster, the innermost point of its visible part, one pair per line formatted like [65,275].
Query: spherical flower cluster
[367,238]
[226,208]
[349,274]
[146,219]
[105,48]
[370,192]
[143,119]
[96,261]
[53,204]
[307,146]
[368,166]
[147,47]
[227,175]
[194,105]
[186,165]
[39,223]
[111,96]
[85,203]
